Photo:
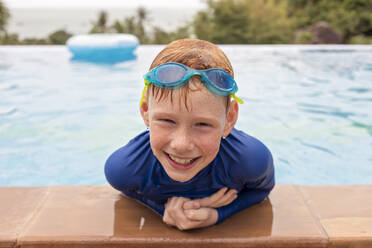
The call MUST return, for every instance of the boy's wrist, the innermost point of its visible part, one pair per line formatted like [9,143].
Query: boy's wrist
[215,215]
[219,215]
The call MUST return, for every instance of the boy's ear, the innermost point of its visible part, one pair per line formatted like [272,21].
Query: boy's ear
[231,117]
[144,109]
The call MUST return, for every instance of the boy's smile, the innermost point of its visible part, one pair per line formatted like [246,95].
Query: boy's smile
[181,163]
[186,139]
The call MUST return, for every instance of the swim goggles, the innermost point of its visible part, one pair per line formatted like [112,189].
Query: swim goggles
[174,75]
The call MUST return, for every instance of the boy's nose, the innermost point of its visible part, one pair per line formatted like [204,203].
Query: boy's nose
[182,142]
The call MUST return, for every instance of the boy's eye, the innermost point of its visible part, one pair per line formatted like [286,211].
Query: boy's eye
[203,124]
[167,120]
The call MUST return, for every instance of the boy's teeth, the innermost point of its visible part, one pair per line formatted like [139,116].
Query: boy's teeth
[181,161]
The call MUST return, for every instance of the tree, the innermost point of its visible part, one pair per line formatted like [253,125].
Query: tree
[142,16]
[134,25]
[35,41]
[4,17]
[350,17]
[160,36]
[100,26]
[59,37]
[244,21]
[9,39]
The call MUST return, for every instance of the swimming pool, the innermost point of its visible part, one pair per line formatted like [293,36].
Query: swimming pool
[61,119]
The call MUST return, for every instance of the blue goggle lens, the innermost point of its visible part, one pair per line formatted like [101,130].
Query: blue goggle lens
[220,79]
[170,73]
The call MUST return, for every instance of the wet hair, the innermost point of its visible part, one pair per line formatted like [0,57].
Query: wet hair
[194,53]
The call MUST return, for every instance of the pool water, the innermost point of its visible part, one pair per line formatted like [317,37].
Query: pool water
[311,105]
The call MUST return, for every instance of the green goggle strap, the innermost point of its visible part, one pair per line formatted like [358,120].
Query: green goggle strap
[147,83]
[236,98]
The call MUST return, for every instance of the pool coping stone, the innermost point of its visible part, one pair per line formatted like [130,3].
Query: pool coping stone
[99,216]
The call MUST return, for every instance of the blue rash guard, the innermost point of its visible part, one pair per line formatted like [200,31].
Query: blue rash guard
[242,163]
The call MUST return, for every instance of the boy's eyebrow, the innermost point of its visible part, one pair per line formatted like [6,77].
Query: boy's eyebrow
[205,119]
[171,115]
[159,114]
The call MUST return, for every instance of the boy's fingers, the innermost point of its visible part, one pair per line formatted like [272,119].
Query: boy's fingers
[175,215]
[208,201]
[198,214]
[226,199]
[191,205]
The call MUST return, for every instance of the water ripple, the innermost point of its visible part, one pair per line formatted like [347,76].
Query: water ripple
[319,80]
[359,90]
[368,99]
[320,148]
[333,113]
[8,112]
[366,127]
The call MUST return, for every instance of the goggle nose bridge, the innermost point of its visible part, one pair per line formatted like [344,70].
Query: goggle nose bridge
[197,73]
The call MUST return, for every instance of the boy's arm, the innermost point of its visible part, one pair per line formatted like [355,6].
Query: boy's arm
[258,180]
[254,191]
[246,198]
[157,207]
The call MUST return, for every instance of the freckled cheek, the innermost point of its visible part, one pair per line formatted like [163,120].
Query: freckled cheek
[209,146]
[158,140]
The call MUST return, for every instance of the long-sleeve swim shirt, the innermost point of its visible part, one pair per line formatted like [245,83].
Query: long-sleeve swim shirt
[242,163]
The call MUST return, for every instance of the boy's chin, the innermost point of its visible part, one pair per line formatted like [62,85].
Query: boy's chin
[179,176]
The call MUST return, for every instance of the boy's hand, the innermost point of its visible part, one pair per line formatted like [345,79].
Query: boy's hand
[221,198]
[175,215]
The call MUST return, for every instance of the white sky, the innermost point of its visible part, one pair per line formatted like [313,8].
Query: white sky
[100,3]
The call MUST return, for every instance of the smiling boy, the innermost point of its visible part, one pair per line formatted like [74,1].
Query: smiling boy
[192,166]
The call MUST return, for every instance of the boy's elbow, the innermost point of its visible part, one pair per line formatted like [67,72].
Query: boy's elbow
[114,173]
[269,174]
[265,174]
[270,171]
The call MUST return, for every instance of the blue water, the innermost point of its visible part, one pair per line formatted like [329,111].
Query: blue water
[60,118]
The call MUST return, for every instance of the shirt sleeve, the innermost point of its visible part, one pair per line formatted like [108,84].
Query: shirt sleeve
[157,207]
[255,171]
[127,168]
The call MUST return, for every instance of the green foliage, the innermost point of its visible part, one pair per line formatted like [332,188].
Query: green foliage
[160,36]
[134,25]
[9,39]
[244,21]
[304,38]
[233,22]
[35,41]
[350,17]
[203,25]
[361,39]
[59,37]
[100,25]
[128,26]
[4,17]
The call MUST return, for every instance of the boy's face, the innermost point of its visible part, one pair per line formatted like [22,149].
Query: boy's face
[186,140]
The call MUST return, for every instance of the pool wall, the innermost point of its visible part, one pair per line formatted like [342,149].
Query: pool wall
[99,216]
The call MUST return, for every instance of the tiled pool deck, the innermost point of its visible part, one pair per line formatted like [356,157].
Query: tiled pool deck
[98,216]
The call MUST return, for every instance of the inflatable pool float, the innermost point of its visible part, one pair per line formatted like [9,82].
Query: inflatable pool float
[102,47]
